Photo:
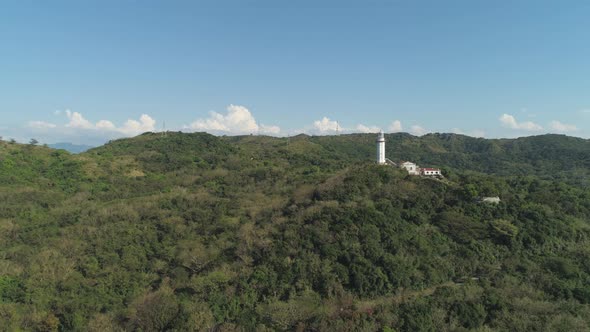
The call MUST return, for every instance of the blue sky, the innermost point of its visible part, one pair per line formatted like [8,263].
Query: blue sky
[88,71]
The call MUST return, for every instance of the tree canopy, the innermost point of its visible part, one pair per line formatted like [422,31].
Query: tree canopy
[192,232]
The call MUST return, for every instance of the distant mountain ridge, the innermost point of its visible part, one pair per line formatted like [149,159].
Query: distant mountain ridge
[70,147]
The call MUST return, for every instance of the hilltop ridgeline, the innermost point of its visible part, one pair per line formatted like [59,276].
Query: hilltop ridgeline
[534,155]
[197,232]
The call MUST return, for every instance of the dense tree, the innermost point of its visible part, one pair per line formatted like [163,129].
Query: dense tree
[192,232]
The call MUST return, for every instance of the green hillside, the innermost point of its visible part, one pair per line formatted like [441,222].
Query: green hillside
[192,232]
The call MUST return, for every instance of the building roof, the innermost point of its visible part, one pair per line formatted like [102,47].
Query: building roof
[495,199]
[431,169]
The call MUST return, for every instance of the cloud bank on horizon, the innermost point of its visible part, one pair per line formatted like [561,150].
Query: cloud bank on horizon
[509,121]
[78,122]
[239,120]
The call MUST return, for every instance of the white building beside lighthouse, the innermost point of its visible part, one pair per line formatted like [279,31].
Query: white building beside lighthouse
[409,166]
[381,149]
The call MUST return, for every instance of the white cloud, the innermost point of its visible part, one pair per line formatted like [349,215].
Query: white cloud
[509,121]
[133,127]
[477,133]
[105,125]
[215,122]
[418,131]
[586,111]
[238,120]
[562,127]
[78,121]
[41,125]
[273,130]
[130,127]
[396,126]
[325,125]
[365,129]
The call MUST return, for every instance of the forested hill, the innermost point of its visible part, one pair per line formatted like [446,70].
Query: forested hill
[544,155]
[192,232]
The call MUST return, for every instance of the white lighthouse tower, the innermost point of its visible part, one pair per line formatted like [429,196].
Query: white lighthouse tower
[381,149]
